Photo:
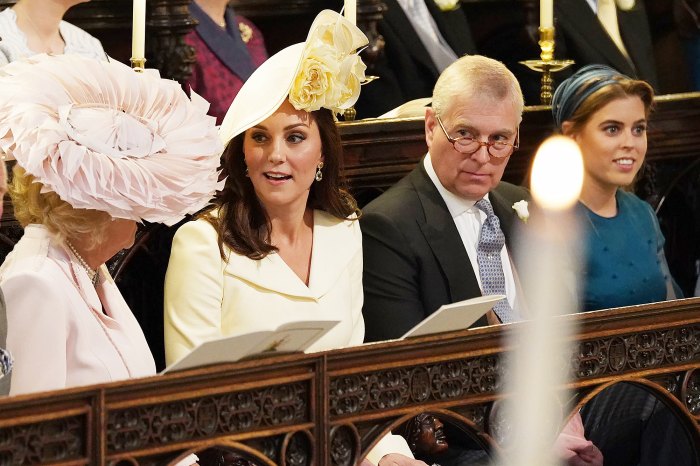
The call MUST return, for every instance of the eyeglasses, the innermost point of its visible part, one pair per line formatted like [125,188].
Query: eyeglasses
[468,145]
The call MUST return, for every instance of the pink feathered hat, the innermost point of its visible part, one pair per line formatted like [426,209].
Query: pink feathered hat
[106,138]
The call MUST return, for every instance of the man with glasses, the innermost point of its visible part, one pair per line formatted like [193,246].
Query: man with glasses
[440,235]
[437,236]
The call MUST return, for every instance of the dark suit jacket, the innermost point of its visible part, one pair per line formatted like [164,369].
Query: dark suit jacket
[405,69]
[414,258]
[582,38]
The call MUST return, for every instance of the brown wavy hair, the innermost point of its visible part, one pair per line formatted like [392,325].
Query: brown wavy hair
[622,87]
[242,223]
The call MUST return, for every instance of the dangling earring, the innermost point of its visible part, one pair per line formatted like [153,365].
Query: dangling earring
[319,174]
[246,172]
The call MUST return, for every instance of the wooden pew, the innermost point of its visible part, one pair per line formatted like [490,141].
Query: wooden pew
[329,408]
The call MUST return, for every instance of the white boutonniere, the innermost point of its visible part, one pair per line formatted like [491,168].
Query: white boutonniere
[625,5]
[520,208]
[447,5]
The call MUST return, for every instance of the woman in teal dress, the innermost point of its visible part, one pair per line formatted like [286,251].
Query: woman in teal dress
[606,113]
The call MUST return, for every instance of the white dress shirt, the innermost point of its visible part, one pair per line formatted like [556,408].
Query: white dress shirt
[468,219]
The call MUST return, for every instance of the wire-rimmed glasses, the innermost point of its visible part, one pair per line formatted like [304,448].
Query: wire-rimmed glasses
[468,145]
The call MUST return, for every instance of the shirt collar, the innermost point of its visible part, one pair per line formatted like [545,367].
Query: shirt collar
[455,204]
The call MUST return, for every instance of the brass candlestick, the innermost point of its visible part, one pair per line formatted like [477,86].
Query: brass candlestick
[138,64]
[547,64]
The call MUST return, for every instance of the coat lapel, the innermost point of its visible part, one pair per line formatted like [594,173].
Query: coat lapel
[454,28]
[333,248]
[633,27]
[396,18]
[443,238]
[578,19]
[226,45]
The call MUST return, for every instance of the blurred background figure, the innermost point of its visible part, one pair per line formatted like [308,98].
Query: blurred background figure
[422,38]
[687,18]
[228,49]
[609,32]
[37,26]
[92,160]
[606,113]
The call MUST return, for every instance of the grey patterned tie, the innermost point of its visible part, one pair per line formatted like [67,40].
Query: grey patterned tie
[488,255]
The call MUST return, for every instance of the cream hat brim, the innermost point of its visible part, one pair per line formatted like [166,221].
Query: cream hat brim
[269,86]
[263,93]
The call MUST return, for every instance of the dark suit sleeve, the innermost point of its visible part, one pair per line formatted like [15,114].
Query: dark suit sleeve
[392,303]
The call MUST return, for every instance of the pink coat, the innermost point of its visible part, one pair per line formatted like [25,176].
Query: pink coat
[63,331]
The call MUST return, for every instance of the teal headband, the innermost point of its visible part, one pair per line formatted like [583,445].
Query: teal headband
[573,91]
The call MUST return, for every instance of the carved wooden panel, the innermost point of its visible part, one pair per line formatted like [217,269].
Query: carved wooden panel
[413,385]
[328,408]
[47,441]
[639,351]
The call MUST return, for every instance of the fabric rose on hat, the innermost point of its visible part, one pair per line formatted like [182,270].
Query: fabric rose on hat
[331,71]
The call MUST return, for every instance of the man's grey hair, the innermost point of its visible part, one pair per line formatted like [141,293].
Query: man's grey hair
[477,76]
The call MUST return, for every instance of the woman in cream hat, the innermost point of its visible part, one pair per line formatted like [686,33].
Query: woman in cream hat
[283,242]
[98,148]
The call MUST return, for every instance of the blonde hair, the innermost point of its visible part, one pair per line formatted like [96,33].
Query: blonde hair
[475,75]
[3,177]
[48,209]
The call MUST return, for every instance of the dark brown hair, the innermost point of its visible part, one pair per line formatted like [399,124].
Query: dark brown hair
[243,224]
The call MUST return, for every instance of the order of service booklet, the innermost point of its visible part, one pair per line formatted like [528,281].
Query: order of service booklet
[287,338]
[455,316]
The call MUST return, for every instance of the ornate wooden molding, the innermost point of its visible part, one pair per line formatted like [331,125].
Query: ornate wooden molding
[329,408]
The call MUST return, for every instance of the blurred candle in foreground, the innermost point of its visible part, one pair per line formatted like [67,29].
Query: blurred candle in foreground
[557,174]
[351,11]
[546,13]
[138,33]
[537,370]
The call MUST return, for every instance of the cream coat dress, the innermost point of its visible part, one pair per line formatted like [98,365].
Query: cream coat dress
[61,330]
[207,297]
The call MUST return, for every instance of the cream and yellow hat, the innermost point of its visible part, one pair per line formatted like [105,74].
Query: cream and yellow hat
[325,71]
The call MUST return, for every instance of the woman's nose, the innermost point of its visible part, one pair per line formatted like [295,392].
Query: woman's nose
[276,154]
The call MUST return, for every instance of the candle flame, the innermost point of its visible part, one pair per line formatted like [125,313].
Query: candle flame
[557,173]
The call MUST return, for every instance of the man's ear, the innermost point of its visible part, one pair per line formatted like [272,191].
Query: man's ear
[430,125]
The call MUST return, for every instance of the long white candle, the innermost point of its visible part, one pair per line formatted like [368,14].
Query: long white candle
[537,368]
[351,11]
[546,13]
[138,34]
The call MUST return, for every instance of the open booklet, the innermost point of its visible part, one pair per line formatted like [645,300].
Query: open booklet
[455,316]
[287,338]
